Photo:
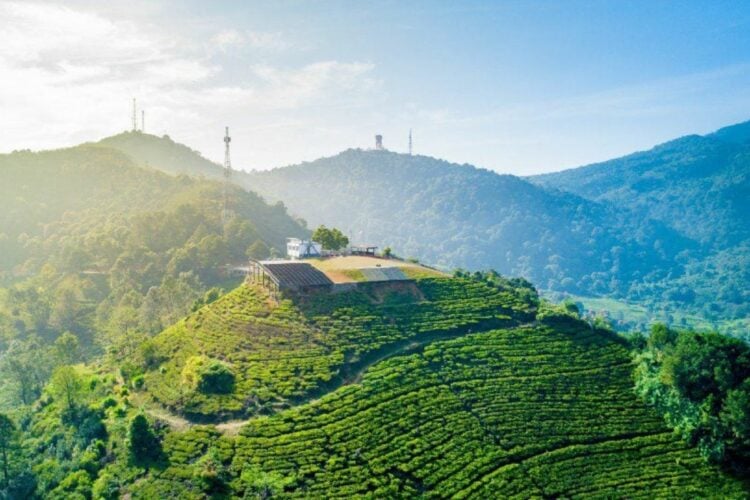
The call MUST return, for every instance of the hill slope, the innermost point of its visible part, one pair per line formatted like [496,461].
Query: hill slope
[461,216]
[93,244]
[698,185]
[545,409]
[162,153]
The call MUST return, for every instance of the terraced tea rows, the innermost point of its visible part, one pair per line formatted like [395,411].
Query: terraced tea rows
[533,411]
[282,352]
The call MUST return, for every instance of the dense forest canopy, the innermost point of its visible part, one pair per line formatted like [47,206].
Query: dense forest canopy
[107,251]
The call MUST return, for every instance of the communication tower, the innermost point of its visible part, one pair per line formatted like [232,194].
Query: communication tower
[135,123]
[143,121]
[379,142]
[225,214]
[410,143]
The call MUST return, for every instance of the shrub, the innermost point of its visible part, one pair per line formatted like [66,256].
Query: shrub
[208,376]
[143,443]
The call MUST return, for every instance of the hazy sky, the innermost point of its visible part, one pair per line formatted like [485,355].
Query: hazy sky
[518,87]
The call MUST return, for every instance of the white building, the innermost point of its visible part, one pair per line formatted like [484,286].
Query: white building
[302,249]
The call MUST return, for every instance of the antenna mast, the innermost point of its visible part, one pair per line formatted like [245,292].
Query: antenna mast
[227,176]
[410,143]
[143,121]
[135,123]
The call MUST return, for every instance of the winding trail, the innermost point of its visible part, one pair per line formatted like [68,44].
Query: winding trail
[350,373]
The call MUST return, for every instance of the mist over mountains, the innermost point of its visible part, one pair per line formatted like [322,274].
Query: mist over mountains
[667,228]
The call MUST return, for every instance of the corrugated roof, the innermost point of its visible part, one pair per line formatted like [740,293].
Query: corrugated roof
[296,274]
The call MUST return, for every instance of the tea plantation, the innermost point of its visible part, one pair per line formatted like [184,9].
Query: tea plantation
[532,411]
[279,354]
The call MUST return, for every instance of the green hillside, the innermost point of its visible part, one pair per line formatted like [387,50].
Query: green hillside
[546,409]
[281,353]
[163,153]
[446,387]
[700,186]
[97,246]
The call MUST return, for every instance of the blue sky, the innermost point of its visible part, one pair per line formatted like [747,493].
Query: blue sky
[518,87]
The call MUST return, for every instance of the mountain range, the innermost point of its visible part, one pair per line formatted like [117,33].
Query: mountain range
[666,229]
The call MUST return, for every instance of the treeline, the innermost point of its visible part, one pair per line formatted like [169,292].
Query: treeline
[700,382]
[111,253]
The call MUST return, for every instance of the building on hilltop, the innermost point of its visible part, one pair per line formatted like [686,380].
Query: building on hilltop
[288,276]
[363,249]
[302,249]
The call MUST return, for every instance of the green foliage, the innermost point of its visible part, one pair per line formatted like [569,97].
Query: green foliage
[103,252]
[258,251]
[330,239]
[209,376]
[143,444]
[282,352]
[701,383]
[67,388]
[8,446]
[67,349]
[529,412]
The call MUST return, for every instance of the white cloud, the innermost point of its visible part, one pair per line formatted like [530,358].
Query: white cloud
[68,76]
[232,38]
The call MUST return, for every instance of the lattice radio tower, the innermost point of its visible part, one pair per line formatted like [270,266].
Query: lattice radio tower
[410,143]
[135,123]
[225,214]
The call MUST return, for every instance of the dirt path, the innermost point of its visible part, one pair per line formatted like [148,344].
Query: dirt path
[350,374]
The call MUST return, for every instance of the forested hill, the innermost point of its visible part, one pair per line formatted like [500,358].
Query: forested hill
[444,387]
[665,230]
[461,216]
[163,153]
[699,185]
[96,248]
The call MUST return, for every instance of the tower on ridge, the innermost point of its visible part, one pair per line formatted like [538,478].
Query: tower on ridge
[135,123]
[225,214]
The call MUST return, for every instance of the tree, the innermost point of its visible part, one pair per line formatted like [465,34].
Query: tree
[331,239]
[66,349]
[143,443]
[258,250]
[263,485]
[67,388]
[26,365]
[8,440]
[387,252]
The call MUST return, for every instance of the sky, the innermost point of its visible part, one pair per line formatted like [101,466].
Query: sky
[517,87]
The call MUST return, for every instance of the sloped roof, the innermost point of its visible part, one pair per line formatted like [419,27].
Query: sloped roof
[296,274]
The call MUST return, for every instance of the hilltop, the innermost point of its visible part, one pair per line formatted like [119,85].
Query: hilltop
[662,231]
[101,247]
[441,387]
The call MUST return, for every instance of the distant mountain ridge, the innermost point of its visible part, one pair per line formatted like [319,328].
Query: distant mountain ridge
[700,185]
[667,228]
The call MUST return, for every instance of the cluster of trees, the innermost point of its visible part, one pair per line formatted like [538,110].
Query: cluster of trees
[95,247]
[701,383]
[330,239]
